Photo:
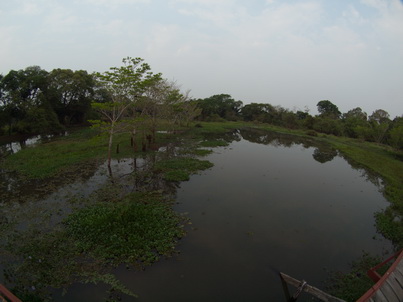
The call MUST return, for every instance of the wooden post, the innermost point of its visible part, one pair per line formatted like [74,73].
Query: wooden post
[7,294]
[317,293]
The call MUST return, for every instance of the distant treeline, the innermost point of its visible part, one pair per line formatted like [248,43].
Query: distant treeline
[378,127]
[36,101]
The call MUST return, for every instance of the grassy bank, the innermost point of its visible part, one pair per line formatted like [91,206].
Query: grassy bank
[65,154]
[99,231]
[380,160]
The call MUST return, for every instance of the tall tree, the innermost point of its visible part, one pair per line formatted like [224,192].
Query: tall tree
[70,94]
[264,113]
[354,121]
[380,122]
[123,86]
[396,133]
[24,101]
[327,109]
[221,106]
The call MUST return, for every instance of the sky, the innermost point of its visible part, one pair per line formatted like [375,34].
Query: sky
[291,53]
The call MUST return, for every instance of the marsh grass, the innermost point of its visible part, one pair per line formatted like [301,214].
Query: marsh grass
[137,230]
[105,232]
[384,162]
[198,152]
[48,159]
[352,285]
[180,169]
[214,143]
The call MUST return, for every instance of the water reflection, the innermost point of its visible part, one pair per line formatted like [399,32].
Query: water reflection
[11,145]
[266,203]
[323,155]
[270,201]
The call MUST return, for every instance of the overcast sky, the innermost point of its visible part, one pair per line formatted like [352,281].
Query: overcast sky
[291,53]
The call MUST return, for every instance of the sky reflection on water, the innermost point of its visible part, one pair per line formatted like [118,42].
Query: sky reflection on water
[270,203]
[263,208]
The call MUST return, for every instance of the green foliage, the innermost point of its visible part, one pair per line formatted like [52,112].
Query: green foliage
[199,152]
[220,106]
[137,230]
[258,112]
[214,143]
[327,125]
[352,285]
[328,109]
[385,163]
[389,223]
[56,156]
[70,94]
[179,169]
[35,101]
[53,259]
[177,175]
[396,134]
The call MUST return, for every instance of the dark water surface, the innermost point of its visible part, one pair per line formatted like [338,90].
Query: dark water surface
[263,208]
[267,205]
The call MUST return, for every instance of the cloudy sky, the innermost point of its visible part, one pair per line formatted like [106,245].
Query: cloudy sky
[291,53]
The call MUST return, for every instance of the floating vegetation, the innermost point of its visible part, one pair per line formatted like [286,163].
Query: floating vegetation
[137,230]
[214,143]
[179,169]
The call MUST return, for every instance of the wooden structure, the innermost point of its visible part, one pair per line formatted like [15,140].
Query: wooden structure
[389,287]
[303,286]
[7,296]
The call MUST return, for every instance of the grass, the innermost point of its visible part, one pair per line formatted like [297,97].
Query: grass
[214,143]
[180,169]
[137,230]
[51,158]
[141,228]
[352,285]
[384,162]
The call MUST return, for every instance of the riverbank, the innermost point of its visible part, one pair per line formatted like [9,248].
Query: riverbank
[171,159]
[64,154]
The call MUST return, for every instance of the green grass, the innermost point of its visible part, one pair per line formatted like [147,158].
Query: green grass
[137,230]
[352,285]
[384,162]
[48,159]
[381,160]
[180,169]
[198,152]
[214,143]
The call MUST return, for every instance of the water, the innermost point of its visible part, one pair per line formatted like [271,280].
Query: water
[259,210]
[269,204]
[10,145]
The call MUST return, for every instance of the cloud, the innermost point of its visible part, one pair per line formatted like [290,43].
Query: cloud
[30,8]
[291,53]
[113,3]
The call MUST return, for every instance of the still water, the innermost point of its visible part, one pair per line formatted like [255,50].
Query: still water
[269,204]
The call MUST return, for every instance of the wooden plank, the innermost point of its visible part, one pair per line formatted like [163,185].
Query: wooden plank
[310,289]
[379,297]
[399,273]
[4,292]
[388,292]
[395,285]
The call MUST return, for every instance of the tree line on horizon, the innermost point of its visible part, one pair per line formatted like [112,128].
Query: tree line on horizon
[132,97]
[377,127]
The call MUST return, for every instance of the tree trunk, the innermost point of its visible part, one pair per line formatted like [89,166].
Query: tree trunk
[110,144]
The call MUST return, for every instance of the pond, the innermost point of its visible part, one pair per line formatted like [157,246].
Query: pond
[270,203]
